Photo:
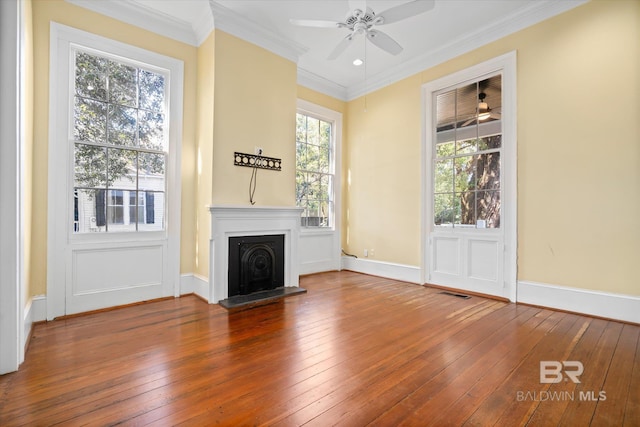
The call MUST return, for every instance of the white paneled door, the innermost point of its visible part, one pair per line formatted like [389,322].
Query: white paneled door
[469,161]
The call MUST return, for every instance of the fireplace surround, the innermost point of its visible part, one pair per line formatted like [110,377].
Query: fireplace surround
[242,221]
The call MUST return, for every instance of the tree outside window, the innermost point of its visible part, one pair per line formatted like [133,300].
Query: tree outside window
[314,170]
[467,169]
[120,145]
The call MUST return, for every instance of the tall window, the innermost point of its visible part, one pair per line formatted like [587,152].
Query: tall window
[120,144]
[467,155]
[315,170]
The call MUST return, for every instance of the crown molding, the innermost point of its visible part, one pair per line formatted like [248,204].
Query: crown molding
[204,25]
[237,25]
[217,16]
[143,17]
[320,84]
[533,14]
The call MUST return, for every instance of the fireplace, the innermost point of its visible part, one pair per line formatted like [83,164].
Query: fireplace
[256,263]
[241,222]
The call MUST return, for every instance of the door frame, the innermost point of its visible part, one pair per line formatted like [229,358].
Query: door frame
[12,125]
[62,38]
[506,64]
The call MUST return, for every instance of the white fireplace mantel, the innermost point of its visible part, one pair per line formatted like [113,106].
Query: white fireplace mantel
[235,221]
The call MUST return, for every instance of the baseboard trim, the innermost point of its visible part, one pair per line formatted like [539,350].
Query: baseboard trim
[402,272]
[318,266]
[194,284]
[607,305]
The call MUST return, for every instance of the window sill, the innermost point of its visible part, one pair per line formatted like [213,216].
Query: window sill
[308,231]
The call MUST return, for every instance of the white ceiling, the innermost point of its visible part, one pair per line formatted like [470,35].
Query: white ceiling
[451,28]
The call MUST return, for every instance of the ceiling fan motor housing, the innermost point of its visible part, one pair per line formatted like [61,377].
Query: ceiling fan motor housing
[358,16]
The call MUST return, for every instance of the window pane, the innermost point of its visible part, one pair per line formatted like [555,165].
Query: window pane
[323,213]
[443,209]
[466,203]
[490,142]
[89,211]
[465,174]
[305,213]
[313,157]
[445,149]
[325,187]
[151,130]
[313,130]
[122,125]
[133,207]
[444,176]
[90,120]
[153,217]
[466,147]
[488,171]
[151,91]
[151,171]
[488,208]
[123,84]
[115,207]
[301,186]
[325,133]
[314,185]
[446,110]
[118,104]
[91,76]
[90,166]
[301,156]
[314,180]
[121,171]
[323,159]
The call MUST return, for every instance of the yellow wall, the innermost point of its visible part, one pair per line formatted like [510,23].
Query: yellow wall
[255,105]
[578,152]
[383,174]
[62,12]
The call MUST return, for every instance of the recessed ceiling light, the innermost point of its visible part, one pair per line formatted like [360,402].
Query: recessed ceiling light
[358,62]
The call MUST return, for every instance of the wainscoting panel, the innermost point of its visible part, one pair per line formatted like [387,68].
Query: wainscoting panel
[446,257]
[318,252]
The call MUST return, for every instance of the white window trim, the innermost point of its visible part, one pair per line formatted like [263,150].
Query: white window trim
[12,286]
[507,65]
[322,113]
[60,207]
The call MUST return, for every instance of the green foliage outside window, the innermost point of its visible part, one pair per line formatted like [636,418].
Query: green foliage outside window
[118,133]
[314,174]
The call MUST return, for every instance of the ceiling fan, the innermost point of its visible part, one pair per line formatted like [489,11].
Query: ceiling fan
[483,112]
[362,20]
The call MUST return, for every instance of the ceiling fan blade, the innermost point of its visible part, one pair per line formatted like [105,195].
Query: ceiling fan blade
[406,10]
[316,23]
[468,122]
[384,42]
[341,47]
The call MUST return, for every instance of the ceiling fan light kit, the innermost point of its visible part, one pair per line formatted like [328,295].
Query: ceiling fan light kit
[363,20]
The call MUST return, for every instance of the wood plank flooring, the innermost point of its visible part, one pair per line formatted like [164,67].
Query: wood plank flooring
[355,350]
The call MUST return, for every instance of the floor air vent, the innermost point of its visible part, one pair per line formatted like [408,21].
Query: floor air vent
[451,294]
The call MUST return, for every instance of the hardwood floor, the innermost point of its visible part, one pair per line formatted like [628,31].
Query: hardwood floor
[355,350]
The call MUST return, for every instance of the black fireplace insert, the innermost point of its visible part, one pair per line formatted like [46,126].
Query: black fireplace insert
[256,263]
